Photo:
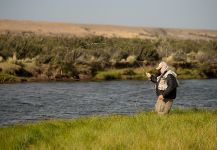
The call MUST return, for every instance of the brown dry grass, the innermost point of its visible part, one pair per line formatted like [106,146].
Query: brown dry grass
[82,30]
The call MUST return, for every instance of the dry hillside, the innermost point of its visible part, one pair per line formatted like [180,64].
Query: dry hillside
[81,30]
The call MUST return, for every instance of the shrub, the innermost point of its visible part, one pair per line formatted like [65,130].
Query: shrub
[131,59]
[191,57]
[149,55]
[32,68]
[190,73]
[203,57]
[179,56]
[97,53]
[10,68]
[129,72]
[1,59]
[119,55]
[109,75]
[4,77]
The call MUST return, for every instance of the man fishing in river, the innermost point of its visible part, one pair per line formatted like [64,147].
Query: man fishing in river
[166,84]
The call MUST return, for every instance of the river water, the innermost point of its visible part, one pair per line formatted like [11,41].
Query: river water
[23,102]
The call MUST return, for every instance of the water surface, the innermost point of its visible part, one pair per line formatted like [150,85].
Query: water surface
[35,101]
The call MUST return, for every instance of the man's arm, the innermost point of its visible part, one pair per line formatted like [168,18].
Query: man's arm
[153,78]
[171,85]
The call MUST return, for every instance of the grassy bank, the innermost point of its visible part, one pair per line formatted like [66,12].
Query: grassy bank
[121,74]
[139,74]
[182,129]
[109,74]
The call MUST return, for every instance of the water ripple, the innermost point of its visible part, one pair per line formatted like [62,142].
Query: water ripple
[36,101]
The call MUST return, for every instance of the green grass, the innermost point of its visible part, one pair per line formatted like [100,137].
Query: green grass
[121,74]
[113,74]
[190,74]
[7,78]
[182,129]
[4,77]
[109,74]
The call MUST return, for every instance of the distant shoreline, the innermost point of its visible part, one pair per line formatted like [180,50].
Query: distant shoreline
[30,80]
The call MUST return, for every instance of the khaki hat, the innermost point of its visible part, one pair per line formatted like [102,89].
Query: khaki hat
[161,65]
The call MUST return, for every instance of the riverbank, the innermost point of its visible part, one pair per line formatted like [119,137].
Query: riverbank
[182,129]
[28,56]
[111,74]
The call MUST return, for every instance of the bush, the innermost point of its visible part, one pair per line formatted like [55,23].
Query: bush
[129,72]
[149,55]
[203,57]
[109,75]
[66,53]
[119,55]
[179,56]
[4,77]
[1,59]
[32,68]
[10,68]
[190,74]
[131,59]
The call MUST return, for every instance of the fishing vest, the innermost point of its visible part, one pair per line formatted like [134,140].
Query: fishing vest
[162,86]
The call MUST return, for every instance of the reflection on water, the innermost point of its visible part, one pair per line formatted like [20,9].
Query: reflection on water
[34,101]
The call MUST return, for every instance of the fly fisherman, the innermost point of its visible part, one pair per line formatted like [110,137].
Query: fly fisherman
[166,84]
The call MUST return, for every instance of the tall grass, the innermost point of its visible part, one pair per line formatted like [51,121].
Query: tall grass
[10,68]
[191,74]
[122,74]
[182,129]
[125,74]
[4,77]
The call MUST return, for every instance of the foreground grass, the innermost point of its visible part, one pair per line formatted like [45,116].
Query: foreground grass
[182,129]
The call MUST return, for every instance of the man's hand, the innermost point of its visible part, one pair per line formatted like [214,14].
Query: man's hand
[161,97]
[148,75]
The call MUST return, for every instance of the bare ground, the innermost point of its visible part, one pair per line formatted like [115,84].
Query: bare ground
[82,30]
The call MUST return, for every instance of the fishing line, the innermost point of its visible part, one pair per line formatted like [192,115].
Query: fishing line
[137,104]
[141,66]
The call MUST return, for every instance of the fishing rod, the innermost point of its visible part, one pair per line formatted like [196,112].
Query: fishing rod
[136,102]
[141,66]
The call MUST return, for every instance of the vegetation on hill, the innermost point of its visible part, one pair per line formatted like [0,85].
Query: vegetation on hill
[182,129]
[29,56]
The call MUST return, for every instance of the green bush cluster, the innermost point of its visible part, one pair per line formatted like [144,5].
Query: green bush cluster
[69,57]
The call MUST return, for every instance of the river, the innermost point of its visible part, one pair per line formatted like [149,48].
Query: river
[26,102]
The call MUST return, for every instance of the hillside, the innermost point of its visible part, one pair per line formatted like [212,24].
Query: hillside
[82,30]
[59,51]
